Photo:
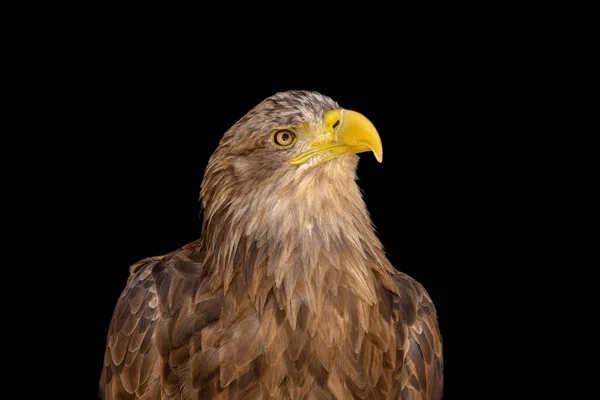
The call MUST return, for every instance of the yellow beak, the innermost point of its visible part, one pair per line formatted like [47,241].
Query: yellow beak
[347,132]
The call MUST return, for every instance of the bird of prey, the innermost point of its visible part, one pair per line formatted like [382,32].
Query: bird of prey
[288,293]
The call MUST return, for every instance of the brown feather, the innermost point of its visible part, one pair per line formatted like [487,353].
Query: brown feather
[288,294]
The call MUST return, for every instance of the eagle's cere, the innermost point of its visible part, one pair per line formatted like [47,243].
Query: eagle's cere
[288,294]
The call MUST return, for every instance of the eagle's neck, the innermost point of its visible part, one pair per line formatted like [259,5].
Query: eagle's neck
[293,236]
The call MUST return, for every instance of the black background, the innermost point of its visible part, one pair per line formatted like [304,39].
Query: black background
[141,119]
[114,112]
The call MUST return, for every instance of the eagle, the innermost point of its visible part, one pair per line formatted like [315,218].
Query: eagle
[288,293]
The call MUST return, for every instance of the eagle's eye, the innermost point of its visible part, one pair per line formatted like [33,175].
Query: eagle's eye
[284,138]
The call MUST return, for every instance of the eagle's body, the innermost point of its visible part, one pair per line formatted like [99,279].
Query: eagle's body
[287,295]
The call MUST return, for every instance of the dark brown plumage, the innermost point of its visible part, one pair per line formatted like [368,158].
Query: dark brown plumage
[288,293]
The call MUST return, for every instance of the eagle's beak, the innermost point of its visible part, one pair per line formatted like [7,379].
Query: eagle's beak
[347,132]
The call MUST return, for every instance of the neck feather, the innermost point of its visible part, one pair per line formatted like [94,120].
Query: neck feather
[294,233]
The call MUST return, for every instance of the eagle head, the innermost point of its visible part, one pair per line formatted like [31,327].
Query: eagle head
[285,143]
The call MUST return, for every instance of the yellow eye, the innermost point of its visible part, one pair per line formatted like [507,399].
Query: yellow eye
[284,138]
